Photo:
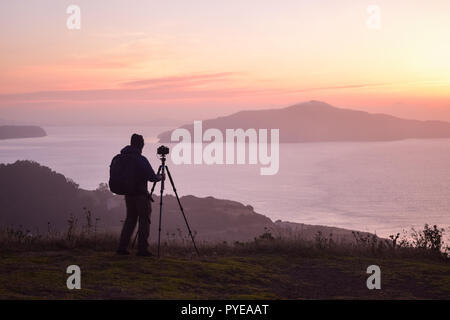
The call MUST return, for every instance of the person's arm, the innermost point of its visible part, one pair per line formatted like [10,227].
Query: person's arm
[149,173]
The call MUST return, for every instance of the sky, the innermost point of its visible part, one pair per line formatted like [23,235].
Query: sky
[136,61]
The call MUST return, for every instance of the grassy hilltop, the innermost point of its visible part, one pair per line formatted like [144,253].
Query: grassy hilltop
[263,269]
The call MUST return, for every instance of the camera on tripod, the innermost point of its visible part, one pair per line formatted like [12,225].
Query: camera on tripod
[162,150]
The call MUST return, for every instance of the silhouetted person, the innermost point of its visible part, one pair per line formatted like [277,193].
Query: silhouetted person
[139,203]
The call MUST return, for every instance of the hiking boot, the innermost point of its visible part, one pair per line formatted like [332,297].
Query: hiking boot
[122,252]
[144,254]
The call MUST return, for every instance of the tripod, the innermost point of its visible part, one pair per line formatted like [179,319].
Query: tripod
[161,170]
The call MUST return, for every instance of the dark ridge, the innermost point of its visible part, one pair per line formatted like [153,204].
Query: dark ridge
[35,198]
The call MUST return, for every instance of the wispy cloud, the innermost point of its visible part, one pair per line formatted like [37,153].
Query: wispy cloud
[171,88]
[183,80]
[350,86]
[129,50]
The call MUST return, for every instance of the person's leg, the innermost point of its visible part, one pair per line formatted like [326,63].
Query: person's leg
[130,222]
[144,210]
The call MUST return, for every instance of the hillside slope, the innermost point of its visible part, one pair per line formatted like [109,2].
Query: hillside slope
[35,198]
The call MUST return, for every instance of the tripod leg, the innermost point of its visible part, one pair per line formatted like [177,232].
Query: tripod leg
[154,183]
[160,206]
[150,199]
[182,210]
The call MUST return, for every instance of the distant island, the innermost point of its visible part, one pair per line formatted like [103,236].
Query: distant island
[16,132]
[316,121]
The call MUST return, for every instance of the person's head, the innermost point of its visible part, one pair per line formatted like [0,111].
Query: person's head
[137,141]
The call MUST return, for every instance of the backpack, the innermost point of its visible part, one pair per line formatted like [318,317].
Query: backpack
[122,174]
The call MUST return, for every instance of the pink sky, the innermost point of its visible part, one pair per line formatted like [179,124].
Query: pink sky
[194,59]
